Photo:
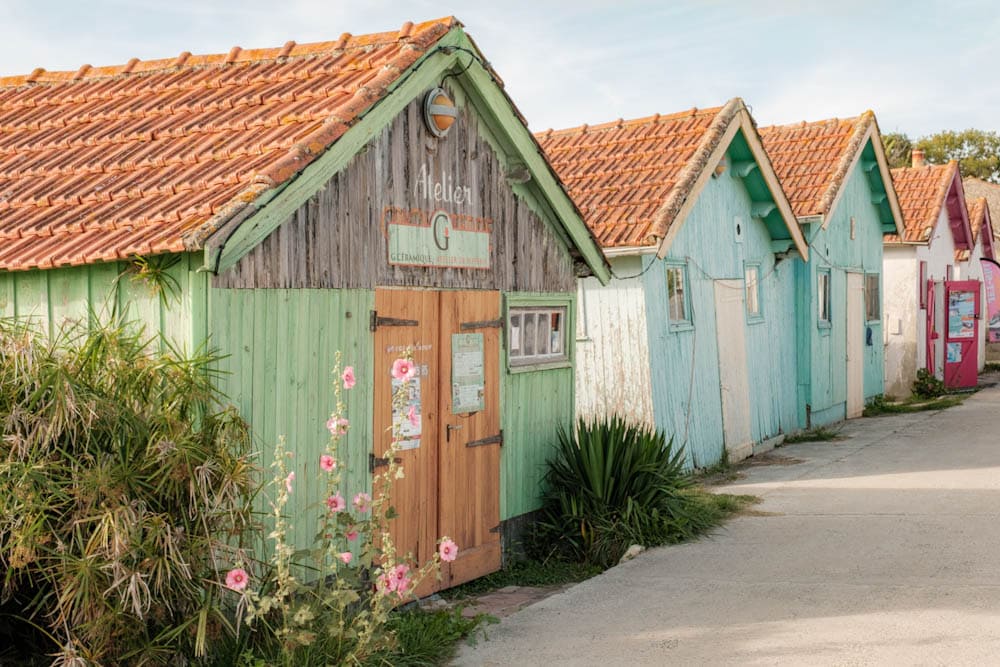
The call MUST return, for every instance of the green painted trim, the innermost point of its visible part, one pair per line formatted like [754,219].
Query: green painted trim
[493,105]
[541,299]
[744,167]
[781,245]
[761,209]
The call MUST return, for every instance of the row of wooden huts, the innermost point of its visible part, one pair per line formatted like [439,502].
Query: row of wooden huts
[381,194]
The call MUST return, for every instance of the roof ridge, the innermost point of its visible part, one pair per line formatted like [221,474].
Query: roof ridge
[620,123]
[408,33]
[855,144]
[812,123]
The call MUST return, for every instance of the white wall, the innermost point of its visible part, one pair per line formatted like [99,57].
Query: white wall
[612,349]
[973,270]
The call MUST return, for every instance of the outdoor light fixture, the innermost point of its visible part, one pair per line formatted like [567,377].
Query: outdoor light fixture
[439,112]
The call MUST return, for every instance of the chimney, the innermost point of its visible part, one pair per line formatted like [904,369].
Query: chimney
[918,158]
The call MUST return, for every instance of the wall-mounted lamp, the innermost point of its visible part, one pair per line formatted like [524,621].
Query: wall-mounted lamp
[439,112]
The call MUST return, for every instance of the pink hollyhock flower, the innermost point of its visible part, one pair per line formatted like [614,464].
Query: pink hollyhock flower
[345,557]
[337,425]
[289,480]
[327,463]
[351,534]
[448,550]
[362,502]
[336,503]
[385,583]
[412,416]
[348,377]
[403,369]
[237,579]
[401,579]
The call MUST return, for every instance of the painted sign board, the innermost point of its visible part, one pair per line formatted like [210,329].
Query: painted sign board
[468,379]
[420,237]
[991,280]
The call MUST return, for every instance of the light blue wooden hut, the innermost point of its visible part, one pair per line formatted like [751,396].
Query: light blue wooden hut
[837,179]
[695,334]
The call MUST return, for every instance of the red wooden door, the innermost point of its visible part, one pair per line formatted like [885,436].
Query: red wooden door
[931,335]
[961,341]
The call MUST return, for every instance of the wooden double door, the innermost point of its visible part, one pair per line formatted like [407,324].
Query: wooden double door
[451,455]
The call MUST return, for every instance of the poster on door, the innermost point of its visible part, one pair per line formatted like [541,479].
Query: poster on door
[961,315]
[468,380]
[407,419]
[954,353]
[991,280]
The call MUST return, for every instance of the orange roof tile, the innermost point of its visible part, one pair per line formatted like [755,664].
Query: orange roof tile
[975,187]
[623,174]
[921,192]
[812,159]
[151,157]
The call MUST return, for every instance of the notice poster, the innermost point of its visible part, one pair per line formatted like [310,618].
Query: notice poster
[468,380]
[954,353]
[961,315]
[991,280]
[407,421]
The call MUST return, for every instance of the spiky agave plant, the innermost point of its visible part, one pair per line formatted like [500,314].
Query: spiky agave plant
[123,486]
[613,484]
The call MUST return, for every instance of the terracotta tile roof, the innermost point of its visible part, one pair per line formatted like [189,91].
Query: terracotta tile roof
[921,192]
[629,178]
[975,187]
[151,157]
[812,159]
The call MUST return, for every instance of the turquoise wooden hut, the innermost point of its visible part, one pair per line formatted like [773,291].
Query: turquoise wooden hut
[370,195]
[837,179]
[696,333]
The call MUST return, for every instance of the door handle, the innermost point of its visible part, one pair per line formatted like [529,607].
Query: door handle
[448,429]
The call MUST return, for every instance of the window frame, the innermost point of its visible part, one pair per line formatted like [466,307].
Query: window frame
[878,303]
[753,318]
[520,304]
[679,324]
[824,295]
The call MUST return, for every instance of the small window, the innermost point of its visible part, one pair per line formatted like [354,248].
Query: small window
[823,294]
[873,300]
[677,296]
[536,335]
[751,279]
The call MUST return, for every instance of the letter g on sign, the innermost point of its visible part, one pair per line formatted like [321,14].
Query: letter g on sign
[441,225]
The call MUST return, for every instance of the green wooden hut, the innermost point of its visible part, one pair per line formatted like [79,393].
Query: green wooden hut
[369,195]
[837,179]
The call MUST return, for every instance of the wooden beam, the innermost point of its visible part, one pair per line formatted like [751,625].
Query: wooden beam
[781,245]
[744,167]
[878,197]
[868,165]
[762,209]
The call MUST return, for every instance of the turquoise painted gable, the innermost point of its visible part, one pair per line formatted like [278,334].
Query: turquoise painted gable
[684,360]
[822,350]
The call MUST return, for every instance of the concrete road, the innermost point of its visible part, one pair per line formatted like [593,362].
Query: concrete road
[882,548]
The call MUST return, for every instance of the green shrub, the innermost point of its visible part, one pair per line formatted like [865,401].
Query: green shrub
[123,490]
[614,485]
[927,386]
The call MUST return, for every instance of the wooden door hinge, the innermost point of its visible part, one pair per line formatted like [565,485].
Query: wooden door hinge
[379,461]
[482,324]
[492,440]
[374,321]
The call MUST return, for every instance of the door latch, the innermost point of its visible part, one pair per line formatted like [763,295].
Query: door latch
[449,428]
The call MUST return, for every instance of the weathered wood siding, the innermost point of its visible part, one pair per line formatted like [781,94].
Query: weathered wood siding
[823,359]
[281,347]
[684,364]
[56,298]
[338,238]
[612,369]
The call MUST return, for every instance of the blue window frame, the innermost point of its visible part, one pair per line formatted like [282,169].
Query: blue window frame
[678,297]
[751,284]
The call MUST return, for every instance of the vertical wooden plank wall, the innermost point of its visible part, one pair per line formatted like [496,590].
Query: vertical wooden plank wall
[281,346]
[833,249]
[684,366]
[56,298]
[612,371]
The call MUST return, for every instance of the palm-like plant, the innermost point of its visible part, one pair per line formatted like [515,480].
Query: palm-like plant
[613,484]
[123,489]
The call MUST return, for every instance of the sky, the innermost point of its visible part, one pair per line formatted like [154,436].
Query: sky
[921,66]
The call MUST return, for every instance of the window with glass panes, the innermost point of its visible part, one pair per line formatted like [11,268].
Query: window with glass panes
[873,300]
[679,309]
[536,335]
[823,294]
[751,279]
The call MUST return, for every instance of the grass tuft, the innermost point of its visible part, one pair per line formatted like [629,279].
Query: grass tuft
[427,638]
[880,406]
[814,435]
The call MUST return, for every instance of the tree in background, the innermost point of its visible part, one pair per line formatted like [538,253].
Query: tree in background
[897,149]
[977,151]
